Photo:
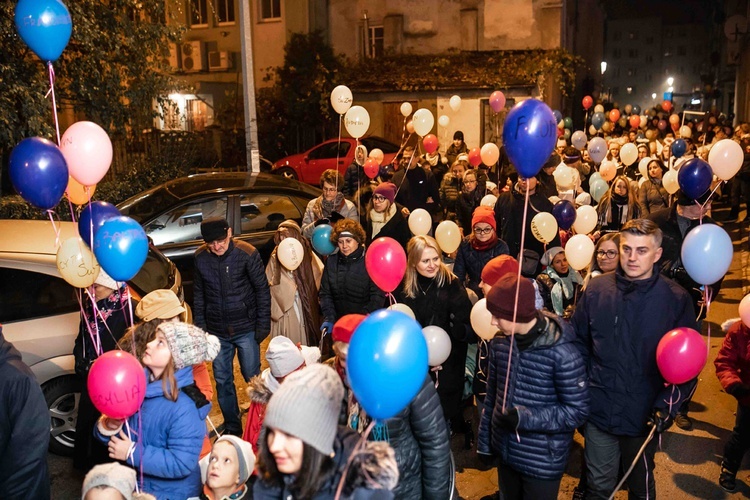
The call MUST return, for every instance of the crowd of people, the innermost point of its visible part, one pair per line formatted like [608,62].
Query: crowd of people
[575,349]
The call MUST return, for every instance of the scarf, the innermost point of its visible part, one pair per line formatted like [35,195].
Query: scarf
[380,219]
[432,158]
[617,210]
[523,342]
[481,246]
[564,287]
[323,208]
[117,302]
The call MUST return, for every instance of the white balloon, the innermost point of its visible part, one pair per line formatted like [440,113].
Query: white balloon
[455,103]
[686,132]
[438,344]
[586,219]
[629,154]
[481,320]
[290,253]
[404,309]
[341,99]
[420,222]
[579,251]
[357,121]
[444,121]
[489,201]
[563,177]
[725,158]
[423,121]
[578,139]
[669,181]
[406,109]
[643,166]
[592,130]
[598,108]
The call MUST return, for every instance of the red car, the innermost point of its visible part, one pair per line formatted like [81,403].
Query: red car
[308,166]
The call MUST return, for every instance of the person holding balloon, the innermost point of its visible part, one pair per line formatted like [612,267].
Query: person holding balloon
[170,428]
[417,187]
[651,194]
[558,283]
[634,306]
[104,320]
[330,206]
[618,206]
[384,217]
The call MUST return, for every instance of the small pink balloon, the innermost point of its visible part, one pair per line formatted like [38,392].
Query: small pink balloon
[475,157]
[372,167]
[430,143]
[497,101]
[745,310]
[681,355]
[385,261]
[117,384]
[87,151]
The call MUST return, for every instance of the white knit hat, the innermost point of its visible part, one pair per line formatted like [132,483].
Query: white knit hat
[189,344]
[113,475]
[283,356]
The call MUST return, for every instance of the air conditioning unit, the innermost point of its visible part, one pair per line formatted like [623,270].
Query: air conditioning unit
[169,56]
[219,60]
[192,56]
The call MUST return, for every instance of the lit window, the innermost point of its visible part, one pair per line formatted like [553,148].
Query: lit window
[375,48]
[225,11]
[198,13]
[270,9]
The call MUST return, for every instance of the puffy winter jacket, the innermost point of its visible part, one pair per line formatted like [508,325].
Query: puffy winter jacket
[170,442]
[470,262]
[346,288]
[652,197]
[619,324]
[259,396]
[231,291]
[548,388]
[733,360]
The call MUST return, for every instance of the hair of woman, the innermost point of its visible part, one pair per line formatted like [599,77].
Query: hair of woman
[414,250]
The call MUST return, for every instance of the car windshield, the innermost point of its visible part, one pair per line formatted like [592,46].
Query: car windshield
[147,204]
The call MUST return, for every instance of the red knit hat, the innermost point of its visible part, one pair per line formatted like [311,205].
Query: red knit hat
[484,214]
[498,268]
[502,296]
[345,326]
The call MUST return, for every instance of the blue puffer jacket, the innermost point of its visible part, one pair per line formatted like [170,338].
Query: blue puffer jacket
[548,387]
[231,291]
[470,262]
[173,433]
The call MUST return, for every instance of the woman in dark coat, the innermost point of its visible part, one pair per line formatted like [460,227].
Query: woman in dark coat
[384,217]
[617,206]
[651,195]
[469,199]
[477,249]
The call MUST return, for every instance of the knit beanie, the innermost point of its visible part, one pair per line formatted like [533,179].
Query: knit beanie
[105,279]
[345,326]
[112,475]
[245,455]
[283,356]
[159,304]
[387,190]
[307,406]
[484,214]
[498,268]
[502,296]
[189,344]
[458,135]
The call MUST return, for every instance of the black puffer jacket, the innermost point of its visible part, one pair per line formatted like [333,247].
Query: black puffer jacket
[346,288]
[470,262]
[231,291]
[397,228]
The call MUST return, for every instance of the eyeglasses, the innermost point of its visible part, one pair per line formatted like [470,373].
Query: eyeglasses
[472,181]
[378,198]
[610,254]
[330,190]
[218,243]
[486,230]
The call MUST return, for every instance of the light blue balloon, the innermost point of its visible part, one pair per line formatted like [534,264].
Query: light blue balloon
[45,26]
[597,120]
[321,239]
[596,176]
[597,189]
[578,139]
[707,253]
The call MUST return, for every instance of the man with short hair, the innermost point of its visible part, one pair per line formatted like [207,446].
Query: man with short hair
[619,321]
[232,300]
[416,185]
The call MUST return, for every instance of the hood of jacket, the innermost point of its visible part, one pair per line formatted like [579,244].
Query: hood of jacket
[257,390]
[375,463]
[183,377]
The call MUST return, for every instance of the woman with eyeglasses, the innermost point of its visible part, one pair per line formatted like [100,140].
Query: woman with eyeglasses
[329,207]
[477,249]
[559,284]
[384,217]
[606,257]
[617,206]
[651,195]
[469,199]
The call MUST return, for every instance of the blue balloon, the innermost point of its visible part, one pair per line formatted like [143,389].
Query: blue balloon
[45,26]
[38,171]
[695,177]
[678,148]
[529,136]
[321,239]
[95,214]
[565,214]
[387,362]
[707,253]
[121,247]
[558,116]
[597,120]
[597,188]
[636,109]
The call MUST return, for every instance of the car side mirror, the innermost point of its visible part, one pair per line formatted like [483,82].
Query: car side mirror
[306,158]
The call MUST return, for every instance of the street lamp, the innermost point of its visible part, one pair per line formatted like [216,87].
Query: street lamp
[653,96]
[670,81]
[604,66]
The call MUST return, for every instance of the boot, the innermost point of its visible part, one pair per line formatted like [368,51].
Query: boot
[727,479]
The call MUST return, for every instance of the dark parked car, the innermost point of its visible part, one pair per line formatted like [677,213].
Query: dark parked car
[254,205]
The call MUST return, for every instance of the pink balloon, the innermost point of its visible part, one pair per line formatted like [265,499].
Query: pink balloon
[430,143]
[475,157]
[372,167]
[385,261]
[745,310]
[117,384]
[681,355]
[87,151]
[497,101]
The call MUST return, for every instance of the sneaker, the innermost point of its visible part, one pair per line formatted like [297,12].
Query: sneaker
[683,422]
[727,479]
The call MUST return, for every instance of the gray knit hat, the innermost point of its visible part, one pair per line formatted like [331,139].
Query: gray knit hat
[112,475]
[307,406]
[189,344]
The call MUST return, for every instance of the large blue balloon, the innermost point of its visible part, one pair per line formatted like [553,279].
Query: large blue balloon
[597,120]
[387,362]
[45,26]
[707,253]
[121,247]
[529,136]
[38,172]
[565,214]
[678,148]
[321,239]
[96,214]
[695,177]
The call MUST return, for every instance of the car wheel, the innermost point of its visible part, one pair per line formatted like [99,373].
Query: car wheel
[62,395]
[287,172]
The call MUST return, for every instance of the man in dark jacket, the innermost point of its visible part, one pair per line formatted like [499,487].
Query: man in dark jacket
[24,429]
[232,301]
[619,321]
[529,422]
[416,185]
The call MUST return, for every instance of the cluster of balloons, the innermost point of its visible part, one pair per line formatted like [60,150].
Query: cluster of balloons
[356,118]
[724,161]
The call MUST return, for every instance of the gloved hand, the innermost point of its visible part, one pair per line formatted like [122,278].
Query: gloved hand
[739,390]
[487,460]
[509,419]
[660,419]
[261,336]
[326,327]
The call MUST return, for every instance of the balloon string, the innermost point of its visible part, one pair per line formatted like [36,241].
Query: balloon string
[436,371]
[55,228]
[708,298]
[95,338]
[705,203]
[356,450]
[54,103]
[391,299]
[407,168]
[338,151]
[72,210]
[635,460]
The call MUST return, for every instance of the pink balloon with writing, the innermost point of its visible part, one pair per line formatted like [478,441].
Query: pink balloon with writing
[117,384]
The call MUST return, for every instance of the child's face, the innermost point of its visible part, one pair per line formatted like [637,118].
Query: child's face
[157,355]
[103,494]
[223,467]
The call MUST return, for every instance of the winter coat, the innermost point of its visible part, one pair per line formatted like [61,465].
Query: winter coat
[467,202]
[450,191]
[171,437]
[24,429]
[452,152]
[231,291]
[652,197]
[733,360]
[424,194]
[347,211]
[346,287]
[259,395]
[354,178]
[548,280]
[619,324]
[382,472]
[470,262]
[548,388]
[447,307]
[397,227]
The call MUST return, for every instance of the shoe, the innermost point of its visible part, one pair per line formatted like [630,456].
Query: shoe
[727,479]
[683,422]
[579,493]
[469,439]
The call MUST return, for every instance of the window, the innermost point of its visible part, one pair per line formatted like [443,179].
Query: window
[184,223]
[633,53]
[329,151]
[225,11]
[270,9]
[649,58]
[375,39]
[264,211]
[617,53]
[373,142]
[27,295]
[198,13]
[632,71]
